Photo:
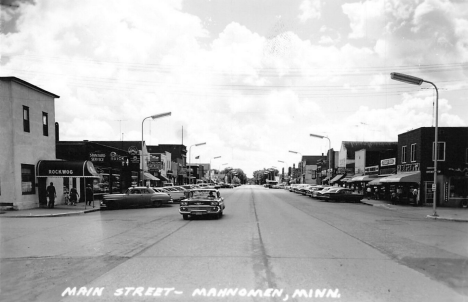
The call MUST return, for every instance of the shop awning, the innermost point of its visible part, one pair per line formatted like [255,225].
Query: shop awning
[337,177]
[63,168]
[326,178]
[364,178]
[150,176]
[346,179]
[403,177]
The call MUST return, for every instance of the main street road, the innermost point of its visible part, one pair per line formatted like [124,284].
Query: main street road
[271,245]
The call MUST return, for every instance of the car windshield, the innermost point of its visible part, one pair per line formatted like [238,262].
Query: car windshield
[202,194]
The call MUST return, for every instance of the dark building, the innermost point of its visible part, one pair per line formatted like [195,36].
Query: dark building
[116,168]
[416,157]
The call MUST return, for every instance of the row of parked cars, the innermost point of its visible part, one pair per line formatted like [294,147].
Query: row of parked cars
[153,196]
[326,193]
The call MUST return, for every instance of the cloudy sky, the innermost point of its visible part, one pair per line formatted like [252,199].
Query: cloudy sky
[251,78]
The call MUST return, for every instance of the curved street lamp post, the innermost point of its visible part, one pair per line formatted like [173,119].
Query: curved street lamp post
[418,81]
[295,152]
[141,156]
[329,148]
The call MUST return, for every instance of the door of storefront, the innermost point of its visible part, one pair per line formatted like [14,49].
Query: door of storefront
[428,193]
[42,192]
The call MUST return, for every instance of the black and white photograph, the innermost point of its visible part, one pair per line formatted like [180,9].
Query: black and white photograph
[233,150]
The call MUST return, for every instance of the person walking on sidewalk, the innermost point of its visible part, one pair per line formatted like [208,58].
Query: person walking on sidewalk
[73,196]
[52,195]
[368,192]
[89,195]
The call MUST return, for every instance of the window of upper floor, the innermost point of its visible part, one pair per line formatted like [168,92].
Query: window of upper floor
[45,124]
[26,127]
[440,151]
[403,154]
[413,152]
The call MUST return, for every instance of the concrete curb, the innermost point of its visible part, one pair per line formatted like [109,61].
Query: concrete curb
[53,215]
[446,218]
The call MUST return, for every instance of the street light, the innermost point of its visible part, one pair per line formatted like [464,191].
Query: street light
[295,152]
[329,148]
[210,166]
[190,157]
[153,117]
[418,81]
[282,172]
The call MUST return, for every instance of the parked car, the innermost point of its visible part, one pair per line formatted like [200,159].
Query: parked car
[200,202]
[319,192]
[311,190]
[176,193]
[342,194]
[136,196]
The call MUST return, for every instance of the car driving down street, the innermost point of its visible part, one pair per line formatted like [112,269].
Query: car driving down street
[201,202]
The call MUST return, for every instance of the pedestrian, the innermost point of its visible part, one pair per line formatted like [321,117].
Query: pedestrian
[416,196]
[74,196]
[376,193]
[52,195]
[369,192]
[89,194]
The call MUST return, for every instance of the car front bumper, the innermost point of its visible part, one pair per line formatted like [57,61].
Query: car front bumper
[199,210]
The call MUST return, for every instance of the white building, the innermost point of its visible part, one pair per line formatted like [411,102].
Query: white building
[27,133]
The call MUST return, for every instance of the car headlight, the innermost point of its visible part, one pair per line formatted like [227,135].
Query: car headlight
[214,203]
[184,203]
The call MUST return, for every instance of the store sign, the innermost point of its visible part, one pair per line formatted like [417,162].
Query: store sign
[132,150]
[135,159]
[97,156]
[155,157]
[371,169]
[408,168]
[388,162]
[154,165]
[114,157]
[446,191]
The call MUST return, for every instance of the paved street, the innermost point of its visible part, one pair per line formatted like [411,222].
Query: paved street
[271,245]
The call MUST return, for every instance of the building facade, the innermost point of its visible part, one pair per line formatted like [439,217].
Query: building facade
[27,132]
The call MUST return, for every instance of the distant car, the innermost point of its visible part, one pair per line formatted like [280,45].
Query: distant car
[201,202]
[187,187]
[176,193]
[136,197]
[317,193]
[342,194]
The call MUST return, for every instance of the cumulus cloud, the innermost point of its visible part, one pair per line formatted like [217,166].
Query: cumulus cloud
[310,9]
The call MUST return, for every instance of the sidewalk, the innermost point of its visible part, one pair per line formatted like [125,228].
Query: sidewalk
[451,214]
[58,211]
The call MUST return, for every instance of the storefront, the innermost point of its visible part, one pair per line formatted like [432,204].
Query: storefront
[71,174]
[400,188]
[117,169]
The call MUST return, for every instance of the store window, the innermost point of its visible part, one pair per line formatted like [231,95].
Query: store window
[45,124]
[403,154]
[413,152]
[458,187]
[27,179]
[440,151]
[26,119]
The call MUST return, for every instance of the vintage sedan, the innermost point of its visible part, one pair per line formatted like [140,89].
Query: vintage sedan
[201,202]
[177,193]
[136,197]
[342,194]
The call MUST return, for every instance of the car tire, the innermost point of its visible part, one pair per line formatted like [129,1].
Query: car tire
[185,216]
[157,203]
